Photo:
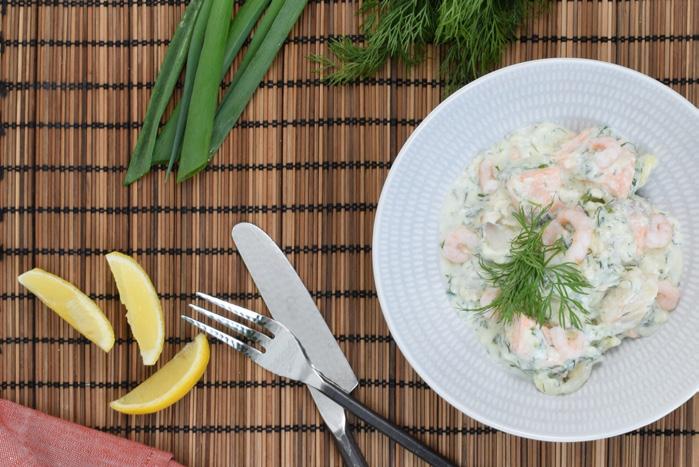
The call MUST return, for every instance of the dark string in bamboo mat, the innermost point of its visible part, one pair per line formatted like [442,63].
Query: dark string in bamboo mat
[306,163]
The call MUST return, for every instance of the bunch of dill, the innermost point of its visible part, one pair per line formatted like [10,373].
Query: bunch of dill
[472,33]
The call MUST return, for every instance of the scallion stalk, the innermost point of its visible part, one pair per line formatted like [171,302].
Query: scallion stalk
[240,27]
[199,125]
[242,24]
[255,43]
[260,33]
[174,60]
[192,62]
[247,80]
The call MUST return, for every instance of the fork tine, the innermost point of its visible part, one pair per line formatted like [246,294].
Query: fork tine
[236,326]
[244,313]
[241,347]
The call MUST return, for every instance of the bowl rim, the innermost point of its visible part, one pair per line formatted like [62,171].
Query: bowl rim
[409,355]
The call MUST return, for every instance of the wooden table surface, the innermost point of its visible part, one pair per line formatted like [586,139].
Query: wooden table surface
[306,163]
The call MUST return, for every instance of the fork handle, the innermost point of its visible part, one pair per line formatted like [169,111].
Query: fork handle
[335,393]
[348,448]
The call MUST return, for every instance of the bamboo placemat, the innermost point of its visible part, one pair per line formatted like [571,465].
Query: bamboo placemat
[306,163]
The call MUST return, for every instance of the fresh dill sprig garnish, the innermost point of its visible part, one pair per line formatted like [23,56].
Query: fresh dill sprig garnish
[473,34]
[530,282]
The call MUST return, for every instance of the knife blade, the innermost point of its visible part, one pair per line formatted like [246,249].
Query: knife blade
[289,301]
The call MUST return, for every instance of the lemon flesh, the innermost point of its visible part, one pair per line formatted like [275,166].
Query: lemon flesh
[73,306]
[170,383]
[143,310]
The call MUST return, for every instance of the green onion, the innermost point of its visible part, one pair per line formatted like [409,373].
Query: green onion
[257,39]
[166,138]
[197,135]
[174,59]
[251,55]
[249,80]
[240,27]
[192,63]
[242,24]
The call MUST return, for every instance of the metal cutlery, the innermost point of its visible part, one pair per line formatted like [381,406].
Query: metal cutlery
[283,355]
[289,302]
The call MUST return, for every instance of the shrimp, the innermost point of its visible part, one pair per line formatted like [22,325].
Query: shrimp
[668,295]
[568,156]
[616,164]
[459,244]
[521,337]
[582,237]
[552,232]
[486,177]
[639,227]
[489,294]
[659,231]
[618,178]
[574,143]
[606,151]
[538,186]
[567,343]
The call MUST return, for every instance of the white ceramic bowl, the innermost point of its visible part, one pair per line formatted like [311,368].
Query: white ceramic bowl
[638,382]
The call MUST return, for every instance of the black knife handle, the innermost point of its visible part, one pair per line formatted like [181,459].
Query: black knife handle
[335,393]
[349,450]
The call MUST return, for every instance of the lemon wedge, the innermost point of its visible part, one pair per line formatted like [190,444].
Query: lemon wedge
[170,383]
[76,308]
[143,311]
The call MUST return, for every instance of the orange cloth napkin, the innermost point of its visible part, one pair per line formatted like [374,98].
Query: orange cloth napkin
[31,438]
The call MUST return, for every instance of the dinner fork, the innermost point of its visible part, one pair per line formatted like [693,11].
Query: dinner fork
[284,356]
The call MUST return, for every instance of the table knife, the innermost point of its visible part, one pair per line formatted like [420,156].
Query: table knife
[288,301]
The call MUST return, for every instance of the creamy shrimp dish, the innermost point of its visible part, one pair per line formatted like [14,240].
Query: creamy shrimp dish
[628,251]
